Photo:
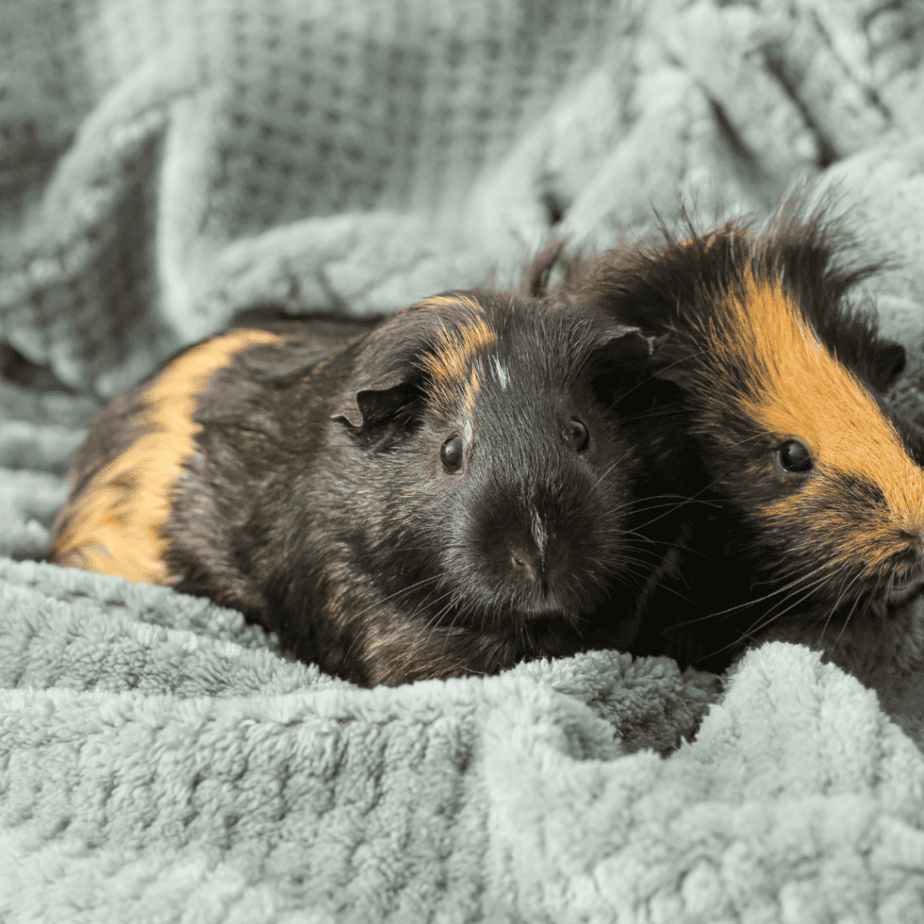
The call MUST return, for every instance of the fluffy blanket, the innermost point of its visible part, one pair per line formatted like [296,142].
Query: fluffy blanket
[165,163]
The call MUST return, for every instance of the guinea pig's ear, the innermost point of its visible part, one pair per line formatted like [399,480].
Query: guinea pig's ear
[627,379]
[386,374]
[623,356]
[630,345]
[888,363]
[373,402]
[667,361]
[380,385]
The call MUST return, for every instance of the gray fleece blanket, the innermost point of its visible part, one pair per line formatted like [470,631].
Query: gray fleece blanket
[163,164]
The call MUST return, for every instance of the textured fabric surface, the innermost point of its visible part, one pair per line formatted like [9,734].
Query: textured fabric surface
[164,163]
[160,762]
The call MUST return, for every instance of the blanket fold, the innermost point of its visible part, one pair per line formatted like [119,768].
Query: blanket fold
[154,745]
[434,800]
[797,801]
[172,741]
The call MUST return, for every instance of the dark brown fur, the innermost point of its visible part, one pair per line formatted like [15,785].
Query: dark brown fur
[316,501]
[744,567]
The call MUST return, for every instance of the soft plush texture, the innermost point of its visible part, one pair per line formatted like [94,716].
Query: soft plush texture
[161,762]
[165,163]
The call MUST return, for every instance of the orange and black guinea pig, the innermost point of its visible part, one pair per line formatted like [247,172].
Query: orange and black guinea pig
[815,491]
[464,485]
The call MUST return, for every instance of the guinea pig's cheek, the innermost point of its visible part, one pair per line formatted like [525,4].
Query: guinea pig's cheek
[802,523]
[450,532]
[758,489]
[850,542]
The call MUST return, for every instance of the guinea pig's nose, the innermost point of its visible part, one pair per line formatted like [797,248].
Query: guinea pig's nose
[527,563]
[538,566]
[914,548]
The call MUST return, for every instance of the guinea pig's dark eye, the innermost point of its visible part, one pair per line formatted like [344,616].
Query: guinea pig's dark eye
[793,456]
[451,454]
[578,434]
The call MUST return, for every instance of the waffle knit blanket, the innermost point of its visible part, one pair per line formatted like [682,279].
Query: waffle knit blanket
[165,163]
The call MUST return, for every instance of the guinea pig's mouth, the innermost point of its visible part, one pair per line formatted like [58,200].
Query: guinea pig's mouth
[544,607]
[543,611]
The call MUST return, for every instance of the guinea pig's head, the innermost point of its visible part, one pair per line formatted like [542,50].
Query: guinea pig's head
[784,381]
[490,417]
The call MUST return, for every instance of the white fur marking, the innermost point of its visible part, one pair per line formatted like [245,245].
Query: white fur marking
[539,533]
[502,376]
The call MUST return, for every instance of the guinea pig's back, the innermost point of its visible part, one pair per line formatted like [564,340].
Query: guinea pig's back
[126,473]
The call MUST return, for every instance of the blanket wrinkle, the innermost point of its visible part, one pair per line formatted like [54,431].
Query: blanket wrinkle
[714,802]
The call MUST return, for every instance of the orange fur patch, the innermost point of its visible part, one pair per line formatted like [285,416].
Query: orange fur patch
[471,393]
[449,363]
[803,392]
[115,525]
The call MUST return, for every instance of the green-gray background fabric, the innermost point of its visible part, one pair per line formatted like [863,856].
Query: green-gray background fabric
[163,163]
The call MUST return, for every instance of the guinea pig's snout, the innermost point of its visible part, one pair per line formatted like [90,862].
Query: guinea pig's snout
[538,563]
[907,578]
[533,551]
[527,562]
[530,564]
[537,567]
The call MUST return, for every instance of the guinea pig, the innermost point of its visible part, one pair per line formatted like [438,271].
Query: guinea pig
[470,483]
[813,491]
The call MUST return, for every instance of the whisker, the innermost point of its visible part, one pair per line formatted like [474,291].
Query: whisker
[846,621]
[399,593]
[767,619]
[751,602]
[844,588]
[805,583]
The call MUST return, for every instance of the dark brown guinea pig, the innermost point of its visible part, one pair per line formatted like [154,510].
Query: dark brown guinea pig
[447,494]
[813,489]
